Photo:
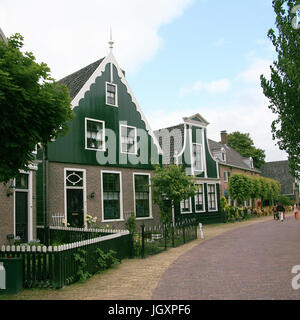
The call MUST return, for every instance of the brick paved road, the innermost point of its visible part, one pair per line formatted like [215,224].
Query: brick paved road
[252,262]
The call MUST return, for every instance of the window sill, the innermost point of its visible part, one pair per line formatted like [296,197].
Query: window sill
[111,220]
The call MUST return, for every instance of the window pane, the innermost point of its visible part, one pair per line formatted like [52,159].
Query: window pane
[185,205]
[141,183]
[211,197]
[22,181]
[197,156]
[111,88]
[199,199]
[74,178]
[94,134]
[111,195]
[128,139]
[111,94]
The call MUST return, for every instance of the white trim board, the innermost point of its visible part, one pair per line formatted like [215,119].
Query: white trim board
[150,195]
[29,192]
[216,198]
[85,134]
[101,68]
[203,198]
[121,197]
[69,187]
[135,139]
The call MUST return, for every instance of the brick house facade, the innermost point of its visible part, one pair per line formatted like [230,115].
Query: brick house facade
[230,162]
[18,208]
[102,167]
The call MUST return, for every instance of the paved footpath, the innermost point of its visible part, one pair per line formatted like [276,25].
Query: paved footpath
[194,268]
[253,262]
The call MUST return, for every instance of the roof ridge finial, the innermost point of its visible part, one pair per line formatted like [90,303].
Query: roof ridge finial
[111,43]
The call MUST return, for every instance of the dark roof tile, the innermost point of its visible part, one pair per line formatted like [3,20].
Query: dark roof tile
[75,81]
[279,170]
[233,158]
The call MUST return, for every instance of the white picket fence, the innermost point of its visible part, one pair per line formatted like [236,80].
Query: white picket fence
[102,230]
[45,249]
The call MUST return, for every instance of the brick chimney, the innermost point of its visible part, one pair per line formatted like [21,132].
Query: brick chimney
[224,139]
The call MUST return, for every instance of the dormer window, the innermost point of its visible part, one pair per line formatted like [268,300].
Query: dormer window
[251,163]
[111,94]
[223,155]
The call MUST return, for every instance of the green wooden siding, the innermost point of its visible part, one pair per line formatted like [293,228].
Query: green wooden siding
[211,164]
[71,148]
[205,217]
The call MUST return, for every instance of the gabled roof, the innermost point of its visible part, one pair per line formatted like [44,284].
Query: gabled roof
[196,119]
[80,82]
[172,139]
[75,81]
[232,157]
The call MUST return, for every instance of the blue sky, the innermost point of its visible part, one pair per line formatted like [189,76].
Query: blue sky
[181,56]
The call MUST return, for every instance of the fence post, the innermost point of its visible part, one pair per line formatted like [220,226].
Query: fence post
[57,268]
[201,231]
[183,233]
[143,240]
[173,240]
[165,235]
[131,245]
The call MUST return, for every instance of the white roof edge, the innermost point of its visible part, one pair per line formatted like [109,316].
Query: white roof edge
[196,115]
[100,69]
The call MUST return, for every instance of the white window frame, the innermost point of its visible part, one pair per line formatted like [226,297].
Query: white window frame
[194,157]
[29,192]
[223,155]
[85,133]
[190,203]
[150,195]
[203,198]
[70,187]
[116,94]
[135,139]
[121,197]
[226,178]
[216,198]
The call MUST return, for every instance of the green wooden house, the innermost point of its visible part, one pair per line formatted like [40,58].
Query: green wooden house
[102,167]
[187,144]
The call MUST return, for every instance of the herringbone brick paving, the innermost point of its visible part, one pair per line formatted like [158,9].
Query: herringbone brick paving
[254,262]
[143,279]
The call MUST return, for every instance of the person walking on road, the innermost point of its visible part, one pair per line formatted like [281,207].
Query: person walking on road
[296,211]
[275,213]
[280,210]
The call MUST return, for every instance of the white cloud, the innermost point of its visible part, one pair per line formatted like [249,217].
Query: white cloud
[247,112]
[257,66]
[68,35]
[215,86]
[219,42]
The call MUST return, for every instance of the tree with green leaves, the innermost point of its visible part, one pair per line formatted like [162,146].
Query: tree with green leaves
[239,187]
[255,190]
[244,145]
[283,88]
[242,187]
[33,107]
[170,185]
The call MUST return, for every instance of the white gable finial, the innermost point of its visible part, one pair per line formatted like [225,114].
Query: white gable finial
[111,43]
